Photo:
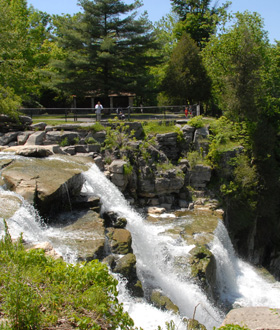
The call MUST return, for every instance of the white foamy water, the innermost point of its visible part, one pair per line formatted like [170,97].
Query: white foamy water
[238,282]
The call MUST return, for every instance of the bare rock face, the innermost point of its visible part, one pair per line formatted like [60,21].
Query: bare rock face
[47,184]
[254,318]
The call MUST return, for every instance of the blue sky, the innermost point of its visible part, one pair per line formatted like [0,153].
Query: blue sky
[268,9]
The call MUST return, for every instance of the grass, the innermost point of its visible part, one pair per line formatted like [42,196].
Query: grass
[38,292]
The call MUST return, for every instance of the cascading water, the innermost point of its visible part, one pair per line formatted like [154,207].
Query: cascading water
[238,283]
[157,256]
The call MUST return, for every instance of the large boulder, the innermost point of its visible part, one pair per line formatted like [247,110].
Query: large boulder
[50,184]
[254,318]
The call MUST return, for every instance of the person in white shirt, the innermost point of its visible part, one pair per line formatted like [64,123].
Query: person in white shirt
[98,109]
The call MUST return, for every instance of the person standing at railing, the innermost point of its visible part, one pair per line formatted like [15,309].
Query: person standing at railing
[98,109]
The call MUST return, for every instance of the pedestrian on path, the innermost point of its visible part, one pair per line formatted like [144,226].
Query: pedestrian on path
[98,109]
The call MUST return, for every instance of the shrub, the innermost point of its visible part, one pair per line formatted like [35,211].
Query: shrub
[64,142]
[37,291]
[196,122]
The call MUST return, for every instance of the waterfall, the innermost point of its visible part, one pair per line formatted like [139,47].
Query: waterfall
[158,256]
[238,282]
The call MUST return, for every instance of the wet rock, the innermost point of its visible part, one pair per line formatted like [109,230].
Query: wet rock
[49,185]
[35,151]
[203,268]
[87,234]
[126,266]
[163,302]
[7,138]
[120,240]
[194,325]
[111,219]
[86,202]
[8,205]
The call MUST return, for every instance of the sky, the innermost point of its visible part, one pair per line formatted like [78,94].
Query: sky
[268,9]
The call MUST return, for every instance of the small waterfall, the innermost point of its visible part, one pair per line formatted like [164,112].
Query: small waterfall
[68,196]
[239,283]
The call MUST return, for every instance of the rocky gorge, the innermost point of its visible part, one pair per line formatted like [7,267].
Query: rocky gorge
[45,165]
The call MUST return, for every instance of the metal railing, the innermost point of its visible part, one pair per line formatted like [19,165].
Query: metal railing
[88,114]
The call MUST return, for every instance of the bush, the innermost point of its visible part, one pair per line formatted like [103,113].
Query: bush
[37,291]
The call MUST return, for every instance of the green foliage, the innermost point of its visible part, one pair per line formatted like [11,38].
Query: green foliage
[9,102]
[76,140]
[195,158]
[232,327]
[235,61]
[105,46]
[185,77]
[128,169]
[97,127]
[64,142]
[198,19]
[156,127]
[117,137]
[196,122]
[225,136]
[23,32]
[90,140]
[37,291]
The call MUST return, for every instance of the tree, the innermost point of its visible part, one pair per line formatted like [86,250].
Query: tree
[186,79]
[235,62]
[108,49]
[198,18]
[22,34]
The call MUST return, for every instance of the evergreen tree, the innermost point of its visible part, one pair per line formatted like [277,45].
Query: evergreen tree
[108,49]
[185,77]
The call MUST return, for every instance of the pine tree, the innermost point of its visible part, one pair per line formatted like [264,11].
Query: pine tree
[108,48]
